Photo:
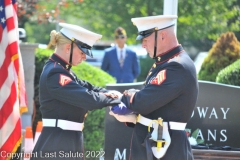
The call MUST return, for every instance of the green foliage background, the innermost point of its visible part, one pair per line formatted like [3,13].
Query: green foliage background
[224,52]
[94,123]
[200,22]
[230,74]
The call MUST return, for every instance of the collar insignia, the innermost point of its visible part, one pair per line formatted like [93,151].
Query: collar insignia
[169,54]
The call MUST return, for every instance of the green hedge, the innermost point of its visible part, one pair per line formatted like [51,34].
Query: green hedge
[94,124]
[230,74]
[223,53]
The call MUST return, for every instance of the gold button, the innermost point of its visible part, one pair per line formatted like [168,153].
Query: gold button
[159,58]
[154,65]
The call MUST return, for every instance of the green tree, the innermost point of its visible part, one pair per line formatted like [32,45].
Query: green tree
[102,16]
[201,22]
[38,33]
[25,9]
[224,52]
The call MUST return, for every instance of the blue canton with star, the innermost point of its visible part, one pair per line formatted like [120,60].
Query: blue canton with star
[2,14]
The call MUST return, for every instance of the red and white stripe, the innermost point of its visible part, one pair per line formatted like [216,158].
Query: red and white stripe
[12,87]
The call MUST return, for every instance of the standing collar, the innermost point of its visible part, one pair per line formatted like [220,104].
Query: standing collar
[169,54]
[60,61]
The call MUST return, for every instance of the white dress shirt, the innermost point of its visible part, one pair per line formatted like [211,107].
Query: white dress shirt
[119,51]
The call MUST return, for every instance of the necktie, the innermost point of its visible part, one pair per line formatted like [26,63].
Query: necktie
[121,59]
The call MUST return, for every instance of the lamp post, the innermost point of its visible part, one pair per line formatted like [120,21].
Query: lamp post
[170,7]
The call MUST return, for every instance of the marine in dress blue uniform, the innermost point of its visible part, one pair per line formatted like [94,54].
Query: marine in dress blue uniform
[65,100]
[170,92]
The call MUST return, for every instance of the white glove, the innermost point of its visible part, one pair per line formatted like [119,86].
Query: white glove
[125,118]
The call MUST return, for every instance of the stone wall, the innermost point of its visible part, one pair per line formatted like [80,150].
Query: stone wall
[28,58]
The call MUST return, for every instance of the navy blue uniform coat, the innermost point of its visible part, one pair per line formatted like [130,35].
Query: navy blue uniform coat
[68,99]
[125,74]
[170,92]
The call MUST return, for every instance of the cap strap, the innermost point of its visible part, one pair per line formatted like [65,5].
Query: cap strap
[155,44]
[71,53]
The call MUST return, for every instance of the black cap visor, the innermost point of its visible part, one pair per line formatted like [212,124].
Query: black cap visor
[146,33]
[140,37]
[85,50]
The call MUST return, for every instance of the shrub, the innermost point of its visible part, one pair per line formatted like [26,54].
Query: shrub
[224,52]
[230,74]
[94,124]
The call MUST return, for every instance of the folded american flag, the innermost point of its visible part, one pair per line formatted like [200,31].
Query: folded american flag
[121,109]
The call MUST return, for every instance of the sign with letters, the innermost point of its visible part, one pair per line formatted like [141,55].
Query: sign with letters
[215,118]
[216,115]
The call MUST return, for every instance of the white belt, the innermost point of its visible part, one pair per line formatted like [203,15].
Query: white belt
[173,125]
[63,124]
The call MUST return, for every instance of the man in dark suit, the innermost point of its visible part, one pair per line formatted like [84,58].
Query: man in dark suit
[120,61]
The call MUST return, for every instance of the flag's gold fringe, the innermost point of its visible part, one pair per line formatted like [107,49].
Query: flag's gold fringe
[23,109]
[14,57]
[15,147]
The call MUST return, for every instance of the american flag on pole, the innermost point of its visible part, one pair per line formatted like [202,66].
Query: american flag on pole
[12,85]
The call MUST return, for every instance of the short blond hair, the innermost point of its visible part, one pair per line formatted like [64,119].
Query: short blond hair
[57,39]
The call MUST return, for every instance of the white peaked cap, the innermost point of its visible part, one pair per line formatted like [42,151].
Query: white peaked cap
[161,22]
[85,36]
